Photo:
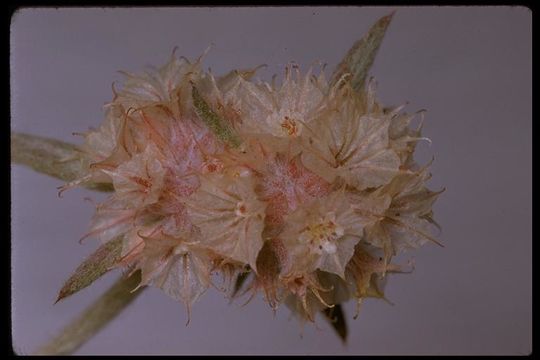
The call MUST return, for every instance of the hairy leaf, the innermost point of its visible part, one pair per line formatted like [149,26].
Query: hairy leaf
[360,57]
[95,317]
[213,121]
[55,158]
[92,268]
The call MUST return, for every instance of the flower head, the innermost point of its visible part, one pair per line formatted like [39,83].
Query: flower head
[309,185]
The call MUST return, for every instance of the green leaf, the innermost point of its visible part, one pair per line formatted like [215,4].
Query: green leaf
[55,158]
[92,268]
[360,57]
[95,317]
[217,125]
[337,319]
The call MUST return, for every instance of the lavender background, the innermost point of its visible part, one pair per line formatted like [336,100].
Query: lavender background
[471,67]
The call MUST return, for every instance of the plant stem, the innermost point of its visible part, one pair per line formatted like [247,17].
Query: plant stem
[52,157]
[95,317]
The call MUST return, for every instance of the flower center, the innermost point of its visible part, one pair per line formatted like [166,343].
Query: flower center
[180,249]
[322,236]
[290,127]
[241,209]
[212,165]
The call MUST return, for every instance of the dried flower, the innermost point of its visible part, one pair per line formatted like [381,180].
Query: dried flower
[323,169]
[310,186]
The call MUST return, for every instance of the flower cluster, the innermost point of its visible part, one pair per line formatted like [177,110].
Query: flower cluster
[309,186]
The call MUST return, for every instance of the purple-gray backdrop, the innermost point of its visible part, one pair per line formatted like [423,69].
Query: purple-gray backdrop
[470,67]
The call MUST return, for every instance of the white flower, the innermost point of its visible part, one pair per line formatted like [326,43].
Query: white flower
[281,111]
[398,215]
[304,184]
[322,235]
[229,216]
[177,265]
[139,181]
[351,140]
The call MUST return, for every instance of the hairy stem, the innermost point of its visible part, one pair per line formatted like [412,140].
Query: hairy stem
[52,157]
[95,317]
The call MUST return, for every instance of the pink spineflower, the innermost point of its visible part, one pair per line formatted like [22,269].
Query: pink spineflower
[308,186]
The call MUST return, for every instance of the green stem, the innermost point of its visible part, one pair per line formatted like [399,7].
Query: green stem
[55,158]
[95,317]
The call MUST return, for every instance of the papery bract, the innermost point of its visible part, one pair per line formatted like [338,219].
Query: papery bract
[308,186]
